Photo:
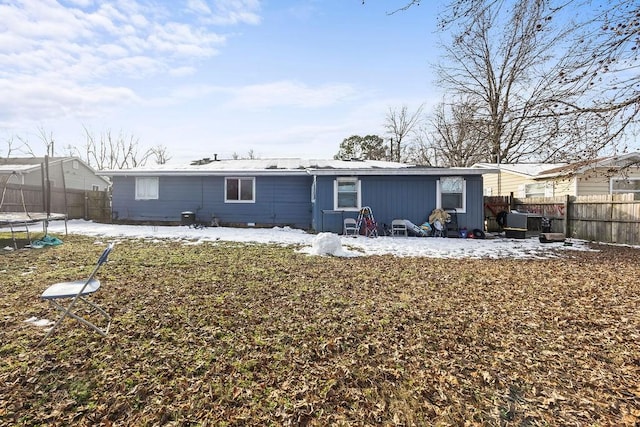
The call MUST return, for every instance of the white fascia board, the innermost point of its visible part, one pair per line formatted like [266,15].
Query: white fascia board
[403,171]
[242,172]
[301,172]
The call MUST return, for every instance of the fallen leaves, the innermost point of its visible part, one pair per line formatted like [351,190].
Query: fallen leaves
[229,334]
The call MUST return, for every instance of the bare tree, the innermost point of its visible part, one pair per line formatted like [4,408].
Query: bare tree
[555,84]
[160,154]
[251,155]
[18,146]
[110,151]
[501,61]
[454,137]
[552,88]
[400,124]
[47,140]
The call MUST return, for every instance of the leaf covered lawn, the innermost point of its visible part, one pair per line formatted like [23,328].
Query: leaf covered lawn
[232,334]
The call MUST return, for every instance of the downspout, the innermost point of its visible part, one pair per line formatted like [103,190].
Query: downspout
[314,189]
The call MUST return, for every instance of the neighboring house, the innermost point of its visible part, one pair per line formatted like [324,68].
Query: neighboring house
[64,172]
[606,175]
[308,194]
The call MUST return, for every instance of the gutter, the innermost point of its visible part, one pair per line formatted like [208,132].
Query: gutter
[305,172]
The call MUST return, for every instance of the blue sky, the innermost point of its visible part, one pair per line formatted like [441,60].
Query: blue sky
[282,78]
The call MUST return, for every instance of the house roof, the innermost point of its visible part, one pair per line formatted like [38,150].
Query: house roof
[289,166]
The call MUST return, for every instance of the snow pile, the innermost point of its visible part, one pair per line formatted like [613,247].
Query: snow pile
[327,244]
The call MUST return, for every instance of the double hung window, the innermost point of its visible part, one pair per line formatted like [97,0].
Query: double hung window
[239,190]
[347,194]
[147,188]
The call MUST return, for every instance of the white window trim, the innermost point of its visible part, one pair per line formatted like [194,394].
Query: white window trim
[239,178]
[150,196]
[621,178]
[335,193]
[464,196]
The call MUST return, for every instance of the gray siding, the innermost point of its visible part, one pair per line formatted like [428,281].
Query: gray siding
[279,201]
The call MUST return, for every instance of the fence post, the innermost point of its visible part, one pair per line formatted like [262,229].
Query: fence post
[567,228]
[86,205]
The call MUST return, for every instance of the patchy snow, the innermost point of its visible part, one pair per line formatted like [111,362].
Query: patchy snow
[322,244]
[327,243]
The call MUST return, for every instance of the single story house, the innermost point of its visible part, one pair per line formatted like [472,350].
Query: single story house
[64,172]
[606,175]
[313,195]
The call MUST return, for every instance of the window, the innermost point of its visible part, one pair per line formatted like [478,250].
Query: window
[95,187]
[75,164]
[239,190]
[534,190]
[451,193]
[625,185]
[147,188]
[347,194]
[537,189]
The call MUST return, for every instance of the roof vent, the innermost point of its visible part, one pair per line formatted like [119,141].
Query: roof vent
[200,162]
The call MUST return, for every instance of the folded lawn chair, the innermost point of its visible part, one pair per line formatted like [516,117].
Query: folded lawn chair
[77,290]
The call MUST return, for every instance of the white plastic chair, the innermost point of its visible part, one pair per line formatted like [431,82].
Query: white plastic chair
[77,290]
[398,227]
[350,227]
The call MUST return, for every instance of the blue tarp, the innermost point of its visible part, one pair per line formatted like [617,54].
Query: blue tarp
[46,241]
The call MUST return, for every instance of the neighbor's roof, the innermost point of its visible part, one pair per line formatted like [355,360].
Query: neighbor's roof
[6,169]
[616,162]
[25,165]
[530,170]
[289,166]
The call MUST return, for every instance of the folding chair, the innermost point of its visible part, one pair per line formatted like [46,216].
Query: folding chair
[77,290]
[351,227]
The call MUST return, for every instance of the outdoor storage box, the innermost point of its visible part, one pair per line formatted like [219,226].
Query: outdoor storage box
[515,233]
[188,218]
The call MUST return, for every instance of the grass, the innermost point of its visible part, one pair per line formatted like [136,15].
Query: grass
[231,334]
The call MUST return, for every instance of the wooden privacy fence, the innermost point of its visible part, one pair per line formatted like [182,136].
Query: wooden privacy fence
[601,218]
[76,204]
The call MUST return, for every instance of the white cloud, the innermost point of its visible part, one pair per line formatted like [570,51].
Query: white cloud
[198,7]
[63,51]
[233,12]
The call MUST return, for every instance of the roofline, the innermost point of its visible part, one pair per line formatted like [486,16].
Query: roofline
[237,172]
[301,172]
[402,171]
